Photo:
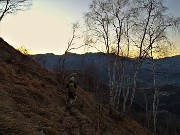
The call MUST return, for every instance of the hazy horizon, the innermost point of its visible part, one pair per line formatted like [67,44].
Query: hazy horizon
[47,26]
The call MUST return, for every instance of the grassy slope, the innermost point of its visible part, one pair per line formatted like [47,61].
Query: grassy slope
[33,101]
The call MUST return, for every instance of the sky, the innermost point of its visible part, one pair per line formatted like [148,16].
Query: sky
[47,26]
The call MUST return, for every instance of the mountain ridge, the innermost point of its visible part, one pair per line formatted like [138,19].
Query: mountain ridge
[169,66]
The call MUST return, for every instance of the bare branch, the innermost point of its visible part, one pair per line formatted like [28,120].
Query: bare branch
[13,6]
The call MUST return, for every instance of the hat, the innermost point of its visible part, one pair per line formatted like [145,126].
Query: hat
[72,79]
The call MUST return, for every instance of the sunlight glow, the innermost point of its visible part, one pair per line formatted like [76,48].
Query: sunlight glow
[47,26]
[41,29]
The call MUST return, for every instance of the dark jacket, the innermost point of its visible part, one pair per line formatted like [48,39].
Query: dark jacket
[71,86]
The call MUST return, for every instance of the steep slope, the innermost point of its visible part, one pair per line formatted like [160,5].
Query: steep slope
[33,102]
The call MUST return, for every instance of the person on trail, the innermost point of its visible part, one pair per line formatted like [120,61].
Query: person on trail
[71,90]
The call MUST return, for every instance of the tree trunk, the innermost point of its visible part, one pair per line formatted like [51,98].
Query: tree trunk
[155,100]
[125,100]
[110,88]
[5,10]
[135,83]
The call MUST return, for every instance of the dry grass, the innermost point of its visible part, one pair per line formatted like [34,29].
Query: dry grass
[33,102]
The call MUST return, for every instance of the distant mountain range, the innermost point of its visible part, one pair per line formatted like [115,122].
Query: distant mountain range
[167,69]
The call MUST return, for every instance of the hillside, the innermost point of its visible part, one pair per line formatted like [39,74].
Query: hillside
[33,102]
[93,66]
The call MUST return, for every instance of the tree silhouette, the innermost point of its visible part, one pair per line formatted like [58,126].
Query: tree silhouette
[13,6]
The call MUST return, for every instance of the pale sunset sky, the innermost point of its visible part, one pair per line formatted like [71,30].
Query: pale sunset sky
[47,26]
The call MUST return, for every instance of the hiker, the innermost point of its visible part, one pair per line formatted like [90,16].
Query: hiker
[71,91]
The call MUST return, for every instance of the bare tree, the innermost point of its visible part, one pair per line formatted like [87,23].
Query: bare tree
[140,23]
[90,77]
[13,6]
[150,31]
[98,24]
[155,99]
[70,46]
[106,25]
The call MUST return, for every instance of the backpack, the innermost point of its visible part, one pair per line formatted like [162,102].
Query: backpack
[71,87]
